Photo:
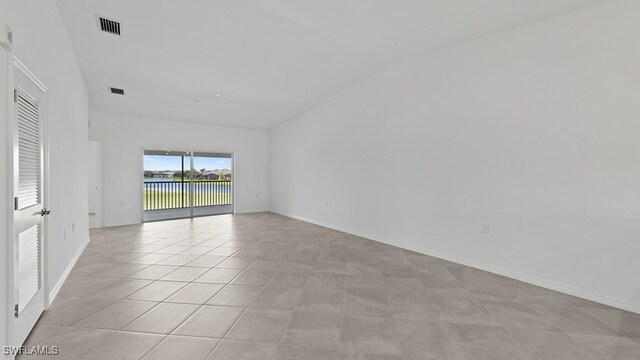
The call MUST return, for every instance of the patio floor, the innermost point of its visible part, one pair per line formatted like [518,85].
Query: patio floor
[155,215]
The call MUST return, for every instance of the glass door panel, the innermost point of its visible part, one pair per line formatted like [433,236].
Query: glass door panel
[185,184]
[212,184]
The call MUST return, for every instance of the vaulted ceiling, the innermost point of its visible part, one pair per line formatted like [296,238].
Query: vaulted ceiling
[257,63]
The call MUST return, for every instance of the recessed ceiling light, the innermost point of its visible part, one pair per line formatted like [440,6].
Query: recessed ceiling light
[218,94]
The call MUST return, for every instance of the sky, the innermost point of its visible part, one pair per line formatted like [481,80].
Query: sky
[162,162]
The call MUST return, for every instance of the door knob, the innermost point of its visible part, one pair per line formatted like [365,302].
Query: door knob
[44,212]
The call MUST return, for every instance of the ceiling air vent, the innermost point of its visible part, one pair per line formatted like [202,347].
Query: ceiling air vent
[108,25]
[117,91]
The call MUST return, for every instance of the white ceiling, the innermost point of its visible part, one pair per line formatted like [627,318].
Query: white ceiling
[270,59]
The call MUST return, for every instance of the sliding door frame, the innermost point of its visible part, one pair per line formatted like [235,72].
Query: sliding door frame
[191,179]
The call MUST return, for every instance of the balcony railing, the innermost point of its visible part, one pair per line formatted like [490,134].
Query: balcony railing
[161,195]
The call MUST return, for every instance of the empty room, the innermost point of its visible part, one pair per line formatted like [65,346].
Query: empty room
[320,179]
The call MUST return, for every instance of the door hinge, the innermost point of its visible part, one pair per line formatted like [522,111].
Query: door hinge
[16,311]
[15,96]
[15,203]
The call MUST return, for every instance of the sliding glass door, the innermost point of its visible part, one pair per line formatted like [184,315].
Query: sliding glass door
[180,184]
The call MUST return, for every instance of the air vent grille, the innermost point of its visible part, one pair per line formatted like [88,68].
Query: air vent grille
[108,25]
[117,91]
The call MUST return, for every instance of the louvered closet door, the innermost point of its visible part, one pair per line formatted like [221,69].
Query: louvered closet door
[28,177]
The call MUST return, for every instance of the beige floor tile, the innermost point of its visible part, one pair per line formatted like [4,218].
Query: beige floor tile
[195,293]
[289,352]
[93,268]
[43,331]
[281,298]
[121,288]
[363,268]
[218,276]
[290,279]
[181,347]
[575,320]
[121,271]
[352,355]
[260,325]
[207,261]
[223,251]
[459,306]
[620,321]
[317,329]
[76,343]
[366,303]
[516,314]
[292,266]
[235,263]
[365,281]
[245,350]
[150,259]
[493,342]
[325,282]
[157,291]
[209,321]
[253,278]
[172,249]
[185,273]
[415,307]
[266,265]
[610,347]
[61,300]
[75,311]
[428,340]
[162,319]
[321,301]
[198,250]
[369,335]
[85,285]
[248,253]
[124,346]
[178,260]
[117,315]
[153,272]
[235,295]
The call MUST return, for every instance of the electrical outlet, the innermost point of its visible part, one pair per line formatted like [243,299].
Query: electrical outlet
[484,228]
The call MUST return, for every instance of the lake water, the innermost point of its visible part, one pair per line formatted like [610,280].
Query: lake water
[201,187]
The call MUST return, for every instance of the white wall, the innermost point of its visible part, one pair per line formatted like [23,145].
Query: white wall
[123,139]
[41,42]
[533,131]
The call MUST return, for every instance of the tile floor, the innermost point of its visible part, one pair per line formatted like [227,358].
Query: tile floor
[263,286]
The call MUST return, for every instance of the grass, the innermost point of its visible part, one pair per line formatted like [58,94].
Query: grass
[157,200]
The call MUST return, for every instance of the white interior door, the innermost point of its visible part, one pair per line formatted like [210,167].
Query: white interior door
[29,210]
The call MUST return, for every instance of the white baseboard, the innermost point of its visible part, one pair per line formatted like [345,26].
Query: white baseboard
[527,278]
[251,211]
[56,289]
